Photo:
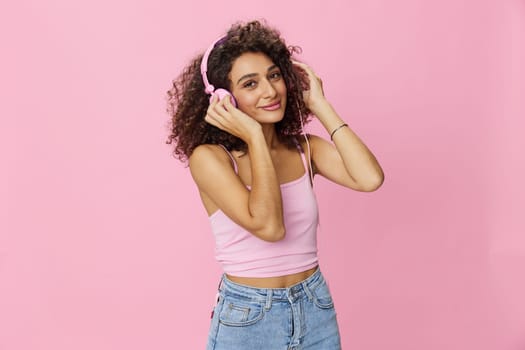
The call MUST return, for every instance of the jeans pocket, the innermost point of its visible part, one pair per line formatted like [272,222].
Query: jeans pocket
[240,313]
[322,297]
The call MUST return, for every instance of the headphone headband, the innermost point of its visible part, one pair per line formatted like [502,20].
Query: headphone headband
[204,65]
[208,88]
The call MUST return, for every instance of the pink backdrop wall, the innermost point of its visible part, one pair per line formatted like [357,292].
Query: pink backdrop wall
[105,245]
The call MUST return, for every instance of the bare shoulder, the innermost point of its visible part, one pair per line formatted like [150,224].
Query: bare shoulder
[207,149]
[207,160]
[316,143]
[316,139]
[219,185]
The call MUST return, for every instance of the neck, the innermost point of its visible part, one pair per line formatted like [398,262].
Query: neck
[270,135]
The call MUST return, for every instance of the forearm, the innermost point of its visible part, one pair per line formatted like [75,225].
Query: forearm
[265,202]
[360,164]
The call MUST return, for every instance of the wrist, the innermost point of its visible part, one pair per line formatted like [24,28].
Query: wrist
[319,106]
[336,130]
[255,137]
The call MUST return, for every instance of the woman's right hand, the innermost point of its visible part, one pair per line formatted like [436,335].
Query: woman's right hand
[224,115]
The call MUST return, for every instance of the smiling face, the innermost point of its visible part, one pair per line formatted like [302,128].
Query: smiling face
[258,87]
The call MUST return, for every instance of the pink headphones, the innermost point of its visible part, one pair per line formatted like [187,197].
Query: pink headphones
[210,89]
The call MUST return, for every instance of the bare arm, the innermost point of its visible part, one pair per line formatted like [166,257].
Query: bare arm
[350,163]
[258,210]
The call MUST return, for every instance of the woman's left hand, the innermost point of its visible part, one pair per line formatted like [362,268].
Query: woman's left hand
[314,96]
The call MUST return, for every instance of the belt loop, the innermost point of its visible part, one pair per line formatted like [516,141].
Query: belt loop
[221,281]
[307,290]
[269,295]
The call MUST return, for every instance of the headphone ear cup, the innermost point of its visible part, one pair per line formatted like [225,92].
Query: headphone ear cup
[221,93]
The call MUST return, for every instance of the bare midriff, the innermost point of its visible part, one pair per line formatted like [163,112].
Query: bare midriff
[273,282]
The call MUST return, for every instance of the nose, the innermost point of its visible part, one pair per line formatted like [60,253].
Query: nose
[269,89]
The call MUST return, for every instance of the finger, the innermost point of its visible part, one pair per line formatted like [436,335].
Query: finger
[214,100]
[227,103]
[211,116]
[301,64]
[225,106]
[311,73]
[213,120]
[220,108]
[210,120]
[214,110]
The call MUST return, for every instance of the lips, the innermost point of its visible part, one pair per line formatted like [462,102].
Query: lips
[273,106]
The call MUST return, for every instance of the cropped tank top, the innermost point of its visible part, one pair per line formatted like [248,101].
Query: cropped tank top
[243,254]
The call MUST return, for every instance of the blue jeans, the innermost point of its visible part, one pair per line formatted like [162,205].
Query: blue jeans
[299,317]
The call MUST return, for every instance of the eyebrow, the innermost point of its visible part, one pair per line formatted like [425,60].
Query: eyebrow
[251,75]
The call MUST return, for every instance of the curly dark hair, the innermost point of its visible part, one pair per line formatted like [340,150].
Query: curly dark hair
[188,103]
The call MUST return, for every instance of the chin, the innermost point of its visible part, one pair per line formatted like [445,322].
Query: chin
[272,117]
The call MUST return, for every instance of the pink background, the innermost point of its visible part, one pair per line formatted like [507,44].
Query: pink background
[105,245]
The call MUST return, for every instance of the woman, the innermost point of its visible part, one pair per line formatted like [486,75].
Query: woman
[254,172]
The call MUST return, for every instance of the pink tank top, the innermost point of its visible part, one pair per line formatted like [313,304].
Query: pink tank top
[243,254]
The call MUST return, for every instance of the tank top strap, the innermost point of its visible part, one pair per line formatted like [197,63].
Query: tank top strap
[303,156]
[232,158]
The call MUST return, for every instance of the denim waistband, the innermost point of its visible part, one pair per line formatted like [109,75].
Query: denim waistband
[298,290]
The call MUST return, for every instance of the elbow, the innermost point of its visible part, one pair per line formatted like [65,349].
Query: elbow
[272,233]
[373,185]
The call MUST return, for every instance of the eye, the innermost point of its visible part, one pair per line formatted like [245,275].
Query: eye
[275,75]
[249,84]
